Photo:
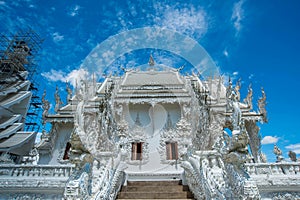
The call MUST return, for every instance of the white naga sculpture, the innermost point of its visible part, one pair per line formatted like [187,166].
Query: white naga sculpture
[46,107]
[58,101]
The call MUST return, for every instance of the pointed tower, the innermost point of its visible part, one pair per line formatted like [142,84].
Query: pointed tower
[151,61]
[137,121]
[169,123]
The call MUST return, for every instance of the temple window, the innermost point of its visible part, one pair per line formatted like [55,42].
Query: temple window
[67,149]
[172,150]
[136,151]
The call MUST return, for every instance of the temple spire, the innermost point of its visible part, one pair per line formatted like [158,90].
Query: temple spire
[137,120]
[151,61]
[169,123]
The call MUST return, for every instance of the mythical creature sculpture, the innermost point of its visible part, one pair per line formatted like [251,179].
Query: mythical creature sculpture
[278,153]
[237,90]
[69,91]
[79,155]
[237,146]
[262,105]
[46,107]
[249,97]
[239,142]
[292,156]
[58,101]
[263,158]
[229,89]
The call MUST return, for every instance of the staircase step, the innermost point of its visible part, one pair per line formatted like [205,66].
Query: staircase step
[153,195]
[174,188]
[153,183]
[155,190]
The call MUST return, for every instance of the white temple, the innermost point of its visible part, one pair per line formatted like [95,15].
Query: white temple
[151,129]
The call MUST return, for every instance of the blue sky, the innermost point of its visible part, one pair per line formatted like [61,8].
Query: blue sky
[257,41]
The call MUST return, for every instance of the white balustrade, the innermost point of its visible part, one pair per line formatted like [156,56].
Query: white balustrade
[35,171]
[283,168]
[35,176]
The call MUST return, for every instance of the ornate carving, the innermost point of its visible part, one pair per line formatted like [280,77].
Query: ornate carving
[117,182]
[236,116]
[254,138]
[193,180]
[58,101]
[28,196]
[69,92]
[5,158]
[278,153]
[237,149]
[229,90]
[249,97]
[79,155]
[182,135]
[292,156]
[96,129]
[46,107]
[77,187]
[285,195]
[263,158]
[262,106]
[237,90]
[137,134]
[101,139]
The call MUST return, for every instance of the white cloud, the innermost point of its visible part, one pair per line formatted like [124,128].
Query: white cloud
[74,10]
[55,75]
[251,76]
[73,77]
[32,6]
[225,53]
[269,140]
[76,75]
[57,37]
[187,20]
[237,15]
[294,147]
[235,73]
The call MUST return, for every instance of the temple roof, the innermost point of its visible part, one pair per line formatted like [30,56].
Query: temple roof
[12,99]
[7,121]
[19,143]
[139,78]
[14,87]
[10,130]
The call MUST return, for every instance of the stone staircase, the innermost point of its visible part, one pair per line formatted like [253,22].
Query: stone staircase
[155,190]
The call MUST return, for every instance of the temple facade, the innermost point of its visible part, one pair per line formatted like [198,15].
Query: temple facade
[154,125]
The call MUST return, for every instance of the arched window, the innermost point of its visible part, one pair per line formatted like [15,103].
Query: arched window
[136,150]
[172,150]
